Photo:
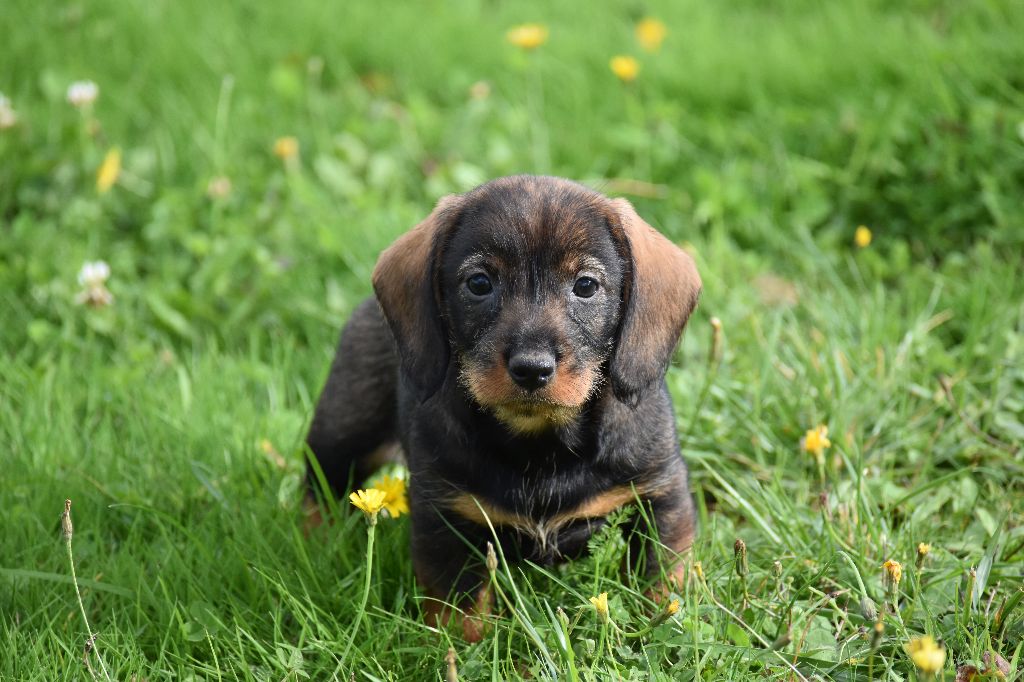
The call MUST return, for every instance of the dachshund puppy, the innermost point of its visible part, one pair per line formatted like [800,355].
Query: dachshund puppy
[516,352]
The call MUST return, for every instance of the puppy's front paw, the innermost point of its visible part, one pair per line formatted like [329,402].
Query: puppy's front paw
[473,622]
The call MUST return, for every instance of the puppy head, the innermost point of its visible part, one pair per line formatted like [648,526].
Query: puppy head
[532,281]
[543,290]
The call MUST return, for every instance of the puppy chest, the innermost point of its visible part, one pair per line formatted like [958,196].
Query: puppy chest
[545,536]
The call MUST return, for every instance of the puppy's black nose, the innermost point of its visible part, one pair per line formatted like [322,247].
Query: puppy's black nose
[531,370]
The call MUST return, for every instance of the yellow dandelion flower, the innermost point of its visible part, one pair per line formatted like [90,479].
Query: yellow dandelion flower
[893,572]
[673,607]
[625,68]
[926,654]
[650,33]
[698,570]
[369,501]
[862,237]
[816,440]
[109,170]
[600,603]
[395,502]
[527,36]
[286,148]
[923,549]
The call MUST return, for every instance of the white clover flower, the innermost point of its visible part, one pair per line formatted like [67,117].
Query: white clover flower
[92,278]
[8,117]
[93,273]
[83,93]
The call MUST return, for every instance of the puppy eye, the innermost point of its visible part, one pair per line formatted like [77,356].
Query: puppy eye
[585,287]
[479,284]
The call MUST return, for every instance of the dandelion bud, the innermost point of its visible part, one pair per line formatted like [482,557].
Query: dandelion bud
[716,340]
[451,673]
[777,568]
[996,666]
[876,634]
[698,570]
[65,521]
[740,552]
[868,608]
[492,559]
[972,577]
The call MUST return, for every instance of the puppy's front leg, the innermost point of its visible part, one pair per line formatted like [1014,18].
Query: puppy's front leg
[448,570]
[657,551]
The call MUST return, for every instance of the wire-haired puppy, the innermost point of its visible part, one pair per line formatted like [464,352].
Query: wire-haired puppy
[515,352]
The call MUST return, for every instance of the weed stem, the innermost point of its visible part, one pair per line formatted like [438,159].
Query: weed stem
[68,530]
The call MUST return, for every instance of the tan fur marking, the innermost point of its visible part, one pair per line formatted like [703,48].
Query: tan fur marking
[490,386]
[544,418]
[572,388]
[557,404]
[479,511]
[600,505]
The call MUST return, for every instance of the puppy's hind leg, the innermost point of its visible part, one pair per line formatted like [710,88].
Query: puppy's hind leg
[353,429]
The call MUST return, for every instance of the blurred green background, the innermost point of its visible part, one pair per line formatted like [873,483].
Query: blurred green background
[758,134]
[755,121]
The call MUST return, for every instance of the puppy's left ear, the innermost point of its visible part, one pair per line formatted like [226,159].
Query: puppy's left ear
[405,283]
[661,292]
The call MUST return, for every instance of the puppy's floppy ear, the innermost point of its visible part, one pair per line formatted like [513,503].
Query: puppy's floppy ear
[661,293]
[406,286]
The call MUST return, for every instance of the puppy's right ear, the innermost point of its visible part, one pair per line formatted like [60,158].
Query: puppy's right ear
[406,286]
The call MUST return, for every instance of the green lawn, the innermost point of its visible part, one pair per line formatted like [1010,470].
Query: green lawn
[761,135]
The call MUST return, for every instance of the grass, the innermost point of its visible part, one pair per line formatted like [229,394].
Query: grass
[761,135]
